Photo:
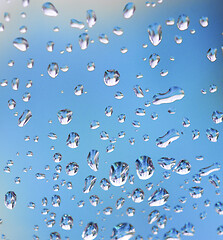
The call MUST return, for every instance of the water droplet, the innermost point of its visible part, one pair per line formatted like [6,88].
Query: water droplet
[15,84]
[91,18]
[55,200]
[10,200]
[89,183]
[212,54]
[94,124]
[196,192]
[172,234]
[123,231]
[118,31]
[53,70]
[207,170]
[158,198]
[26,97]
[195,134]
[183,22]
[178,39]
[103,38]
[76,24]
[24,118]
[93,160]
[172,95]
[212,134]
[188,229]
[64,116]
[83,41]
[66,222]
[49,9]
[91,66]
[21,44]
[170,21]
[119,203]
[105,184]
[138,195]
[144,167]
[110,148]
[154,60]
[204,21]
[2,27]
[73,140]
[50,46]
[78,90]
[130,212]
[153,216]
[111,77]
[155,33]
[214,180]
[183,167]
[213,88]
[166,163]
[138,91]
[91,231]
[217,117]
[169,137]
[72,169]
[11,104]
[164,72]
[129,10]
[23,29]
[140,112]
[119,173]
[161,222]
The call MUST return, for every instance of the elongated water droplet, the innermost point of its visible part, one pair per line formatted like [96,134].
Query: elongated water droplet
[24,118]
[129,10]
[89,183]
[158,198]
[122,231]
[154,60]
[138,91]
[83,41]
[93,160]
[49,9]
[91,18]
[172,95]
[10,200]
[21,44]
[207,170]
[169,137]
[155,33]
[76,24]
[119,203]
[212,54]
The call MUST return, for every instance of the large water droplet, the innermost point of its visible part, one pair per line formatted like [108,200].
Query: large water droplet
[10,199]
[73,140]
[91,231]
[129,10]
[21,44]
[155,33]
[158,198]
[144,167]
[183,22]
[66,222]
[64,116]
[53,70]
[49,9]
[91,18]
[119,173]
[111,77]
[83,41]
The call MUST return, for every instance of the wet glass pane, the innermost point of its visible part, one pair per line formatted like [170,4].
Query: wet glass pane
[111,119]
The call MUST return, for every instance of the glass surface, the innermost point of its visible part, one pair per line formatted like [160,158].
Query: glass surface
[96,102]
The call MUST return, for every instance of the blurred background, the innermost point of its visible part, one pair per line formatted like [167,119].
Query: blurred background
[191,70]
